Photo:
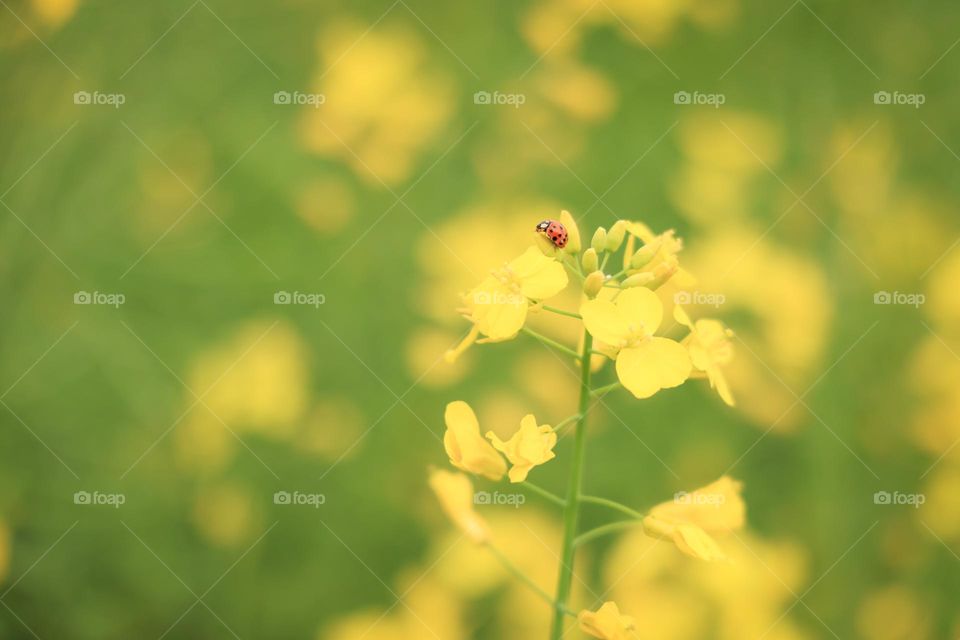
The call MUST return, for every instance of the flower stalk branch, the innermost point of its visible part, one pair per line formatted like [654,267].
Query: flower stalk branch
[571,514]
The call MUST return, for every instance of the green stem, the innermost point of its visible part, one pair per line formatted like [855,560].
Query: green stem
[562,312]
[543,493]
[565,422]
[610,387]
[612,504]
[571,512]
[520,575]
[574,265]
[604,530]
[551,343]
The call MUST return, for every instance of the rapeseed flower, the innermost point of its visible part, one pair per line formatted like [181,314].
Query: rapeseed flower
[710,350]
[466,447]
[606,623]
[530,446]
[645,363]
[498,306]
[690,518]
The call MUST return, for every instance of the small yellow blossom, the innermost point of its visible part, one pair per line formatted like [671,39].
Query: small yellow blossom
[455,493]
[690,518]
[710,349]
[498,305]
[645,363]
[530,446]
[606,623]
[465,447]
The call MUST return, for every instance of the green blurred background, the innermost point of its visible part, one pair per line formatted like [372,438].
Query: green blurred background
[376,184]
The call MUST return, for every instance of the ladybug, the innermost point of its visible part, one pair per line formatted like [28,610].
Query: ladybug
[555,231]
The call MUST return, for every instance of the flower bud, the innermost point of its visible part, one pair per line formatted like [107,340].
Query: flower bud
[594,283]
[599,242]
[615,236]
[645,254]
[573,233]
[638,280]
[590,261]
[662,274]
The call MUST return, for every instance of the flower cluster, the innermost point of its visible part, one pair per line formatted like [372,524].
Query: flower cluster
[622,316]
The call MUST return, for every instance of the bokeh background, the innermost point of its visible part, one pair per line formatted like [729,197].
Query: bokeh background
[377,184]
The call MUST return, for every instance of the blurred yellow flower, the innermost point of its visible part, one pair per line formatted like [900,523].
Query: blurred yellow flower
[54,13]
[690,518]
[465,447]
[327,204]
[606,623]
[530,446]
[710,349]
[256,380]
[455,493]
[645,363]
[225,515]
[385,102]
[498,305]
[894,612]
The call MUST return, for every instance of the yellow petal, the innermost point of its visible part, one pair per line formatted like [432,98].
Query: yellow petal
[719,382]
[652,365]
[465,447]
[640,306]
[681,316]
[540,277]
[606,623]
[501,318]
[455,493]
[604,321]
[717,506]
[697,543]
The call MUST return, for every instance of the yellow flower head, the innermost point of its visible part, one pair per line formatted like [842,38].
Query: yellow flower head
[710,349]
[466,447]
[497,307]
[690,518]
[606,622]
[645,363]
[455,493]
[530,446]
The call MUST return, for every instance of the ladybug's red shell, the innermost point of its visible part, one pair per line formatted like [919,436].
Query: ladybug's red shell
[555,231]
